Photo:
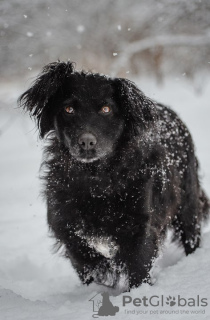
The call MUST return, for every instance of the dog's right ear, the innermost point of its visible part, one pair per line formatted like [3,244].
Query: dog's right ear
[38,99]
[139,111]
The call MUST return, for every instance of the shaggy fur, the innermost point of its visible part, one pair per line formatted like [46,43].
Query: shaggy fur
[114,181]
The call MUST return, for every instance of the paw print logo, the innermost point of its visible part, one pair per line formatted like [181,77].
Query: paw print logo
[170,301]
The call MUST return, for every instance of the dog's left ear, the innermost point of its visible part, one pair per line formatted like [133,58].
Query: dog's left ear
[40,98]
[139,110]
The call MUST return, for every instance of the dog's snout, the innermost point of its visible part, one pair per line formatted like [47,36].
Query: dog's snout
[87,141]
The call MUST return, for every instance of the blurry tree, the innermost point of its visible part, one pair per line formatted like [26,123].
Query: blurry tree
[110,36]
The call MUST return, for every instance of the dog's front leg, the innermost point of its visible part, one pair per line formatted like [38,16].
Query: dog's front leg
[139,258]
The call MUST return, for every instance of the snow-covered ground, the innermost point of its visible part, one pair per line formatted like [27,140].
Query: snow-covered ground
[34,283]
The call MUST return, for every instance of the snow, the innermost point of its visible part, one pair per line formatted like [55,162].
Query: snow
[80,28]
[36,284]
[29,34]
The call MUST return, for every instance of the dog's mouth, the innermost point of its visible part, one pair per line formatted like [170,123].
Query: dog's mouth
[88,160]
[90,156]
[87,156]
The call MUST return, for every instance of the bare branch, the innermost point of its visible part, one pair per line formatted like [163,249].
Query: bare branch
[128,50]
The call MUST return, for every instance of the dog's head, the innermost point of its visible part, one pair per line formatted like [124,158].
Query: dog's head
[89,113]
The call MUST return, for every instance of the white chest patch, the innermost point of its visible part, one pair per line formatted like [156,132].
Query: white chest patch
[104,245]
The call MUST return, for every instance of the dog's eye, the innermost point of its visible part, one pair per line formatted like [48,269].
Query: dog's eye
[105,109]
[69,109]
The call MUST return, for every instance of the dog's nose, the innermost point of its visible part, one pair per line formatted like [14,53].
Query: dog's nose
[87,141]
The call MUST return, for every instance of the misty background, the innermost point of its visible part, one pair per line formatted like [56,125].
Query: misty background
[115,37]
[164,47]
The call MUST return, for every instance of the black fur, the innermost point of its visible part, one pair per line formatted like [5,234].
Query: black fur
[139,179]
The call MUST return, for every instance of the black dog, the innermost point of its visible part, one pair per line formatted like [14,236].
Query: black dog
[119,170]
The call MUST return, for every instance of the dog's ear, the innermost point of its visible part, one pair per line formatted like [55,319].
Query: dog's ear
[38,99]
[139,110]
